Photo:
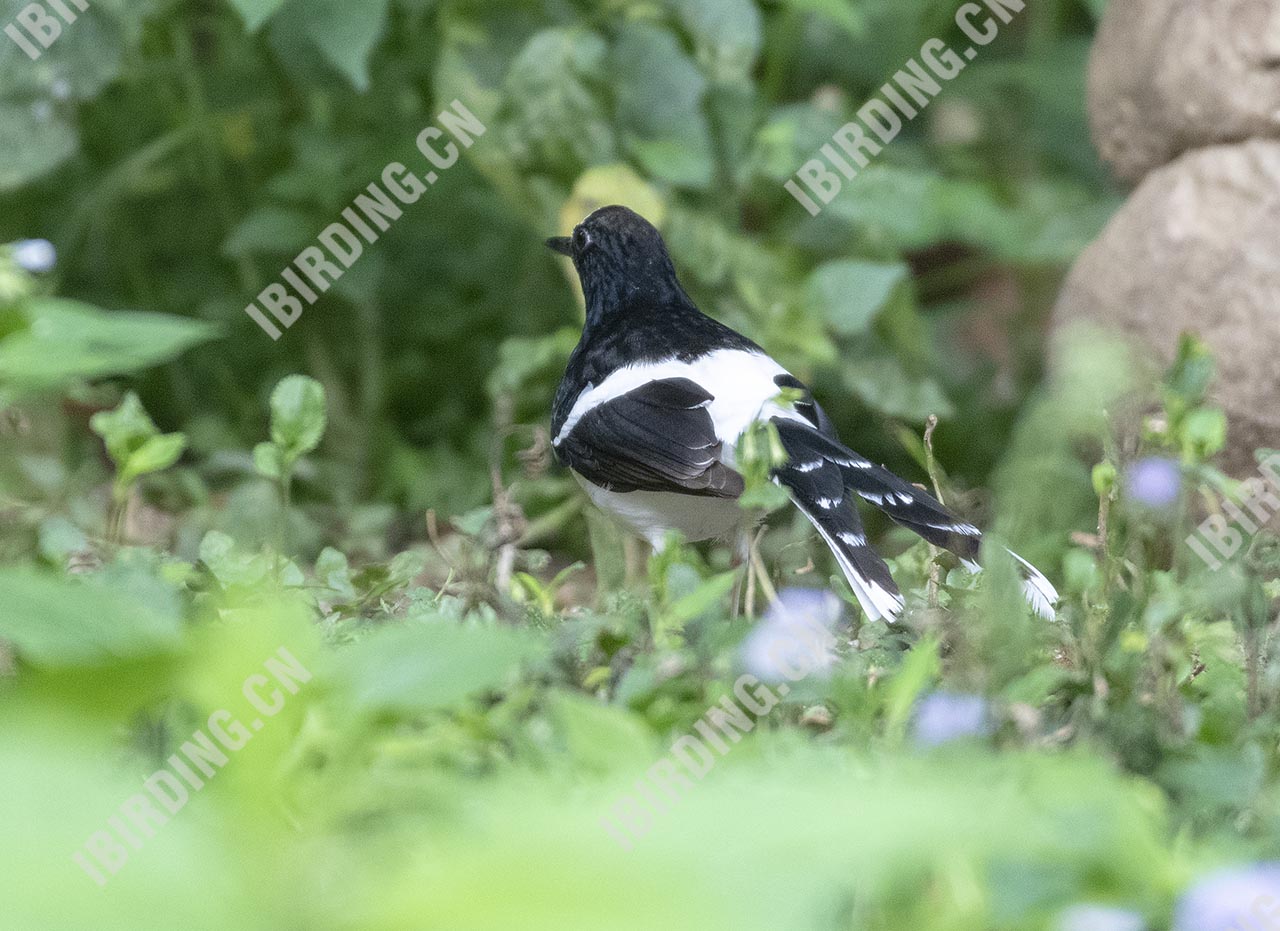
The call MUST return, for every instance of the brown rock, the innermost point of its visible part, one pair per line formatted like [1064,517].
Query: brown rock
[1167,76]
[1197,247]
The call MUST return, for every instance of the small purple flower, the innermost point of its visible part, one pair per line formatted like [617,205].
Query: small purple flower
[942,717]
[794,640]
[1153,482]
[1099,918]
[35,255]
[1243,898]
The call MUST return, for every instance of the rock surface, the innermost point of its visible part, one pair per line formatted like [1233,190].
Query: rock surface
[1197,247]
[1167,77]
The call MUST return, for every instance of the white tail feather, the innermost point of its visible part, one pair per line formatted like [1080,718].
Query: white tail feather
[1038,590]
[874,599]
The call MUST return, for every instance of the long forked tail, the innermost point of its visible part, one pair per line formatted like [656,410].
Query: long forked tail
[811,453]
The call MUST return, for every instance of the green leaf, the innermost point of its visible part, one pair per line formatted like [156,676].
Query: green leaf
[269,461]
[436,664]
[154,455]
[601,738]
[660,93]
[256,12]
[1104,478]
[33,141]
[727,35]
[334,572]
[269,230]
[917,673]
[67,340]
[1204,432]
[1192,371]
[345,32]
[57,622]
[60,539]
[844,14]
[556,115]
[298,416]
[80,62]
[234,568]
[124,430]
[702,599]
[850,292]
[883,384]
[522,360]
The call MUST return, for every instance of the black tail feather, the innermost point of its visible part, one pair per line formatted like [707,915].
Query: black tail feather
[813,453]
[818,489]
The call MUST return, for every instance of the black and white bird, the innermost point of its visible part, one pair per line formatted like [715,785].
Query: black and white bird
[657,394]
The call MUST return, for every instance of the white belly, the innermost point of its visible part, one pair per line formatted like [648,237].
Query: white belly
[650,514]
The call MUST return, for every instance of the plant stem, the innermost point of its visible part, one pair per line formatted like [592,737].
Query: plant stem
[286,500]
[930,464]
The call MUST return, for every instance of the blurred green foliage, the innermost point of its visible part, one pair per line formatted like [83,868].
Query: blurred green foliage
[491,664]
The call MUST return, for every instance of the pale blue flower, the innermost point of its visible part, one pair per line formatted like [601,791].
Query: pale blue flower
[1243,898]
[1153,482]
[35,255]
[794,639]
[946,716]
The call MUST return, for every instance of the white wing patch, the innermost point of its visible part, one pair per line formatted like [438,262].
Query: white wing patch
[741,385]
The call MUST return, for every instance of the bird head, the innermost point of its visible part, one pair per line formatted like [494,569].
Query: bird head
[618,253]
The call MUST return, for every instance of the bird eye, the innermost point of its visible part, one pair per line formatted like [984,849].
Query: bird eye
[581,238]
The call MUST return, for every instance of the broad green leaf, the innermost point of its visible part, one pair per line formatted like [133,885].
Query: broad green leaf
[345,32]
[268,460]
[884,385]
[705,597]
[555,114]
[60,539]
[848,293]
[125,429]
[660,93]
[917,673]
[599,737]
[33,141]
[298,415]
[67,340]
[334,572]
[435,664]
[727,35]
[235,568]
[524,359]
[256,12]
[56,622]
[80,62]
[154,455]
[847,16]
[269,230]
[1204,432]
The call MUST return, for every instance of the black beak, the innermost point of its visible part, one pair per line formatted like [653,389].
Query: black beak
[561,244]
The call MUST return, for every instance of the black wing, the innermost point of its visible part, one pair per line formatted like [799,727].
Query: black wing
[658,437]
